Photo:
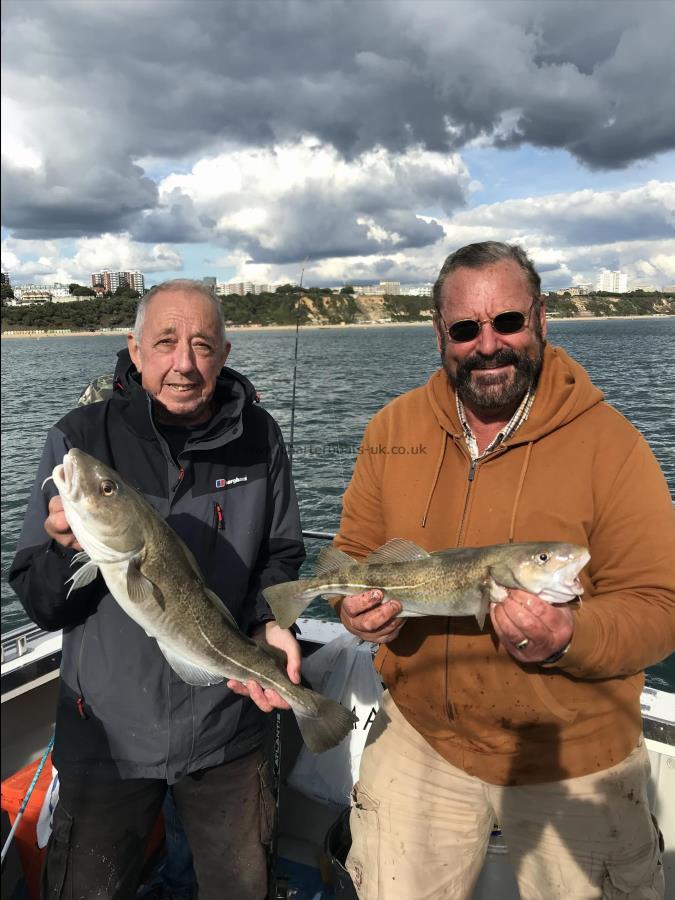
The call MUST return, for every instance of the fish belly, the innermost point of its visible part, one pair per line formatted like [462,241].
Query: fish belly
[461,603]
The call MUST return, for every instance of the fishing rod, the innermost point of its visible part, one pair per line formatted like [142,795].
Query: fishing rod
[295,363]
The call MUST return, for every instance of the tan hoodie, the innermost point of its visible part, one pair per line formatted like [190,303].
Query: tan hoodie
[576,471]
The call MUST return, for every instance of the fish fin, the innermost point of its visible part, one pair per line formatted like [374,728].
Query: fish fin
[481,613]
[330,724]
[288,600]
[83,576]
[497,592]
[484,605]
[188,671]
[396,550]
[330,559]
[140,588]
[81,557]
[220,606]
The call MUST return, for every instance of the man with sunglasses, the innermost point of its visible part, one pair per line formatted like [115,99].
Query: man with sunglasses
[533,721]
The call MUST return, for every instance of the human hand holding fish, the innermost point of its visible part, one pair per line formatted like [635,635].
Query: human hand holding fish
[367,617]
[268,699]
[57,527]
[530,629]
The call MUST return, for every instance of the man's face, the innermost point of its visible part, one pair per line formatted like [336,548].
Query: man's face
[180,353]
[491,373]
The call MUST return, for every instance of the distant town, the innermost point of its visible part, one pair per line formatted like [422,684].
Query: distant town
[110,301]
[104,284]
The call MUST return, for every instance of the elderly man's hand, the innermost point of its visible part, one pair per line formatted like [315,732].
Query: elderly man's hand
[523,617]
[268,699]
[366,616]
[57,526]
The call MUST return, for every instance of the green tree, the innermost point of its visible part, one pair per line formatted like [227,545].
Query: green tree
[124,291]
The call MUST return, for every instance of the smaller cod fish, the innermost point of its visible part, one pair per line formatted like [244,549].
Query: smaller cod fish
[460,582]
[156,580]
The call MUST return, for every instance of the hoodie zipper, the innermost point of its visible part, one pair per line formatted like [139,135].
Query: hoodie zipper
[473,468]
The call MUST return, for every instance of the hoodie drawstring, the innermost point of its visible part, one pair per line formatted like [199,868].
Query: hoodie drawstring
[519,489]
[439,464]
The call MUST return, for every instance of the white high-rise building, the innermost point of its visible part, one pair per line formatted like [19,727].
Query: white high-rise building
[613,282]
[110,281]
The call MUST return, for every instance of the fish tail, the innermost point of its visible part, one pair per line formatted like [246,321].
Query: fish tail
[289,600]
[326,725]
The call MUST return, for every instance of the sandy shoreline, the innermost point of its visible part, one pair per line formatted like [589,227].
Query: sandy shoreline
[23,335]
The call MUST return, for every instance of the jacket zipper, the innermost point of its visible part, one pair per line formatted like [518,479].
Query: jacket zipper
[218,523]
[80,701]
[181,475]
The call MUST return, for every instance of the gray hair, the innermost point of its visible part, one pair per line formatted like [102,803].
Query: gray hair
[487,253]
[190,286]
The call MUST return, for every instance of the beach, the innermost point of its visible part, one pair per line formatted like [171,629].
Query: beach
[314,326]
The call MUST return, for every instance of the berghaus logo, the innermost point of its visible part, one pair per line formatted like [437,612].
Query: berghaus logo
[226,482]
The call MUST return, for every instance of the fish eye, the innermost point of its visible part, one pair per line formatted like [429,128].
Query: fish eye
[543,557]
[108,488]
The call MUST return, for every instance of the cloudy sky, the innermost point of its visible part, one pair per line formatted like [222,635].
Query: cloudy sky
[359,139]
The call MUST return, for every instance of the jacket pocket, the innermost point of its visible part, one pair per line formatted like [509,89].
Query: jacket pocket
[58,854]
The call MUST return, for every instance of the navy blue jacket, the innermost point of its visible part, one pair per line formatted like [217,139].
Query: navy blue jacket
[232,500]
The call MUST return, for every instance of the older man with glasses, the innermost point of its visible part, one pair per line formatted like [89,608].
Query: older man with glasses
[533,721]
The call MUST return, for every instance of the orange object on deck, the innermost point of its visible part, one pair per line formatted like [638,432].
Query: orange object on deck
[14,790]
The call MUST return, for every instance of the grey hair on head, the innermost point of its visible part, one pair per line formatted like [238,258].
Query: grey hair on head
[189,286]
[487,253]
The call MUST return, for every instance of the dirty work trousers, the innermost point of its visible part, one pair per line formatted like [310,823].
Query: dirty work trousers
[101,829]
[420,826]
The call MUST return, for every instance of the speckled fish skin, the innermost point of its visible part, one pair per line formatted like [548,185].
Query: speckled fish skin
[155,579]
[460,582]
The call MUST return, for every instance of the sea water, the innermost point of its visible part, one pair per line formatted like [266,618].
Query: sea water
[344,375]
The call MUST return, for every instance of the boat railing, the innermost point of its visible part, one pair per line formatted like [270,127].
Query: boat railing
[18,641]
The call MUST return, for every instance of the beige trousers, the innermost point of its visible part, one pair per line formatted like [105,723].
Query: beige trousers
[420,826]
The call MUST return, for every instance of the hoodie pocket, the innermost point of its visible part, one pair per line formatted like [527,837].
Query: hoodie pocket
[552,704]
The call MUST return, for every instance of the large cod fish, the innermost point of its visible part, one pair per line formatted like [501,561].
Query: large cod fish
[459,582]
[156,580]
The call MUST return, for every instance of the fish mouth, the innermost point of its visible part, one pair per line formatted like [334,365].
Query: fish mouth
[65,477]
[568,586]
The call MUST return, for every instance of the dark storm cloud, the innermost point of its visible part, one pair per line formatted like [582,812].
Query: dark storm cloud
[98,85]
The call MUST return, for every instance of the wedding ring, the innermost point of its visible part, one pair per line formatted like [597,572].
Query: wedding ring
[521,645]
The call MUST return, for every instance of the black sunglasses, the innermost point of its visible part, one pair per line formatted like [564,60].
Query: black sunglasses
[511,321]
